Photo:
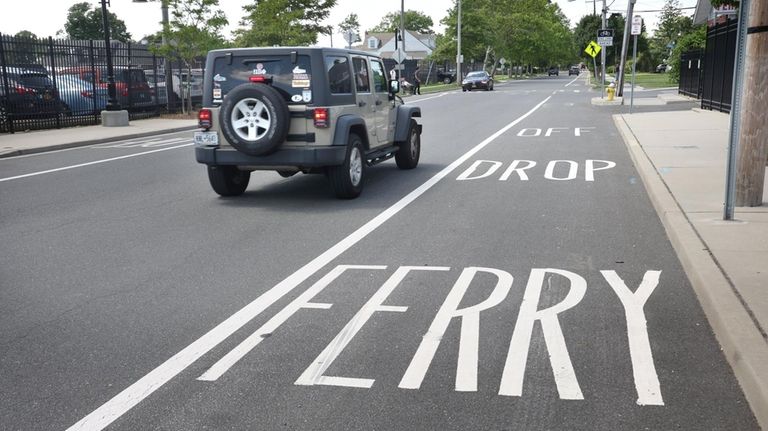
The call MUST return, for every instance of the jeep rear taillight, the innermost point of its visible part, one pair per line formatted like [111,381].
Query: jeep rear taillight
[321,117]
[204,118]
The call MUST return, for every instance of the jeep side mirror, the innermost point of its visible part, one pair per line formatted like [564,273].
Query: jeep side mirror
[394,86]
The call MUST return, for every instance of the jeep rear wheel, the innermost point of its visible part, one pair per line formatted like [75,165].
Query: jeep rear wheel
[254,119]
[228,180]
[347,179]
[407,157]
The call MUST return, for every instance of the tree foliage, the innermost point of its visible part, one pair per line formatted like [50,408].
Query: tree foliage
[673,26]
[85,23]
[524,32]
[694,39]
[194,29]
[350,24]
[414,21]
[283,22]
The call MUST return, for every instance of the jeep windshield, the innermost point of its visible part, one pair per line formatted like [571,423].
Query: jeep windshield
[292,80]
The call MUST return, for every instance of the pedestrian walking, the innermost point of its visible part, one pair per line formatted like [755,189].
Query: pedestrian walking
[416,82]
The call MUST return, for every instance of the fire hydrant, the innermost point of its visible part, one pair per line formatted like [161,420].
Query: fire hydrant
[611,91]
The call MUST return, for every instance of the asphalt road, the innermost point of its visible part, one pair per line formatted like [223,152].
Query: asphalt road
[519,278]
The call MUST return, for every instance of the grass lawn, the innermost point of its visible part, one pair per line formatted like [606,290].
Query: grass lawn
[651,80]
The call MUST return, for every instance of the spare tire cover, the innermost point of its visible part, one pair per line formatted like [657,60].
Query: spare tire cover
[254,118]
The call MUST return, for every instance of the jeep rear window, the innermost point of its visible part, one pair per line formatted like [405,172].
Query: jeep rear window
[292,80]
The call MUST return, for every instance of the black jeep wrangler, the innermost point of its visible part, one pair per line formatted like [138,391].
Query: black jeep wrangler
[297,109]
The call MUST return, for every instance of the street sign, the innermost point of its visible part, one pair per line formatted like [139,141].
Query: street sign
[502,61]
[605,37]
[398,55]
[593,49]
[637,25]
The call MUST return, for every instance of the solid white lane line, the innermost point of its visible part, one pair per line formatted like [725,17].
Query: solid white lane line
[22,156]
[428,98]
[574,80]
[145,386]
[96,162]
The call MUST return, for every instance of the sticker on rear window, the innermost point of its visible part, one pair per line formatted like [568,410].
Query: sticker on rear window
[259,70]
[306,95]
[219,78]
[300,83]
[217,93]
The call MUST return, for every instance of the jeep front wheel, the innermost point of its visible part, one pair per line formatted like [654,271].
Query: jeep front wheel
[407,156]
[347,179]
[228,180]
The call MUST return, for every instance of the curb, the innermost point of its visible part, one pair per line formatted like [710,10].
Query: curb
[743,346]
[66,145]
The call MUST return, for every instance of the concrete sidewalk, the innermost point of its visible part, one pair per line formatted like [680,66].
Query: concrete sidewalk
[681,157]
[47,140]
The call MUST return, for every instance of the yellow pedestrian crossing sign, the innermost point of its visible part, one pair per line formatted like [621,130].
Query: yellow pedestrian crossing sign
[593,49]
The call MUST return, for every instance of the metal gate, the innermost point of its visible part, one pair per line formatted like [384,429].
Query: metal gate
[719,58]
[691,63]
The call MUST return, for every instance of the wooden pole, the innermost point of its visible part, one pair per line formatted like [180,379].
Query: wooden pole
[753,135]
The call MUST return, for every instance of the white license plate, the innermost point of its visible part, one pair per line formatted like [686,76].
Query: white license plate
[206,138]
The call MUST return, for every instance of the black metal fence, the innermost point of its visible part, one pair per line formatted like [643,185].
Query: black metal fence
[719,58]
[691,63]
[51,83]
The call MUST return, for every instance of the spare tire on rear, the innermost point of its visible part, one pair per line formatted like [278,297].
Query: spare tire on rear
[254,119]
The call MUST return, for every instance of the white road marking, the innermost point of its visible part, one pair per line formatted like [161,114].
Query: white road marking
[573,169]
[429,98]
[145,386]
[574,80]
[231,358]
[97,162]
[644,372]
[469,340]
[475,170]
[147,143]
[313,375]
[22,156]
[514,368]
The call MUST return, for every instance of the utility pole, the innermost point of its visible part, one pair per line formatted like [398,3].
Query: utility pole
[753,139]
[625,47]
[602,55]
[458,46]
[112,103]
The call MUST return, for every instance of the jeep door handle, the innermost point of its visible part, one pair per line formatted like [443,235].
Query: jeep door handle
[361,103]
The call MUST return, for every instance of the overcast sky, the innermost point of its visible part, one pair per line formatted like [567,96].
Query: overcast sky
[46,17]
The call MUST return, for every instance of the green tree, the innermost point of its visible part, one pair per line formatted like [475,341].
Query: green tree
[672,27]
[283,22]
[193,30]
[85,23]
[350,24]
[414,21]
[475,32]
[695,39]
[584,33]
[533,32]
